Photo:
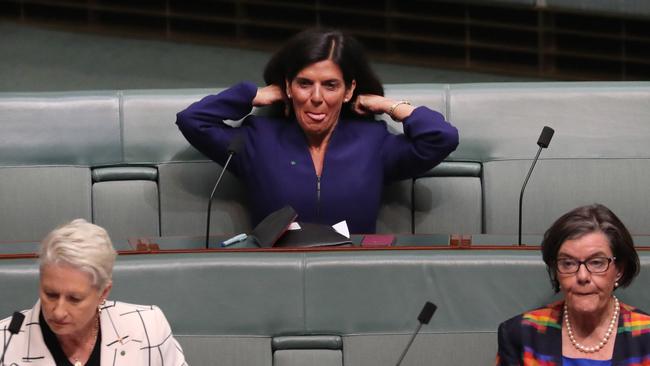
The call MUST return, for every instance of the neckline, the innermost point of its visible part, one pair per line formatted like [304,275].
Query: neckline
[52,344]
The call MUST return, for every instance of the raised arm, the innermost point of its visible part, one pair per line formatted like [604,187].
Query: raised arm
[427,138]
[398,110]
[202,123]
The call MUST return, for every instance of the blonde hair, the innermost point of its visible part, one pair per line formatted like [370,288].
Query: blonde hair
[82,245]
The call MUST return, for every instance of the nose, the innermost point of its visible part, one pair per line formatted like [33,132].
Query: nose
[316,95]
[59,310]
[583,275]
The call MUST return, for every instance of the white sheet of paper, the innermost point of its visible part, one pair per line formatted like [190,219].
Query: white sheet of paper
[342,228]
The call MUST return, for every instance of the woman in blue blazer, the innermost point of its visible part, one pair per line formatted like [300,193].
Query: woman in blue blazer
[321,152]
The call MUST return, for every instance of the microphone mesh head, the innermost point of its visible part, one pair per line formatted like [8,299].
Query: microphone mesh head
[427,312]
[545,137]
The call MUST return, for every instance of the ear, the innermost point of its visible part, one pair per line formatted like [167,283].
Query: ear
[350,91]
[287,87]
[107,290]
[620,270]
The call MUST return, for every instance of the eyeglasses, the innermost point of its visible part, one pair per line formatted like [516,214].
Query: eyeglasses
[593,265]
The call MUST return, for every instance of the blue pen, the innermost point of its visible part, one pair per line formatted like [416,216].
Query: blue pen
[234,239]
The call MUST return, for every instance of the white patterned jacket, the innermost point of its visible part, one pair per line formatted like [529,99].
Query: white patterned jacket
[132,335]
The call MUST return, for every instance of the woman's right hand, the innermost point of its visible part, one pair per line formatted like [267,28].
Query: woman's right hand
[268,95]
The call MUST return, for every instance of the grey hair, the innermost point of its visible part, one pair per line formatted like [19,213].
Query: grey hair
[82,245]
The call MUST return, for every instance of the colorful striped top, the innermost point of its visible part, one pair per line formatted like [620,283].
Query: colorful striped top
[534,338]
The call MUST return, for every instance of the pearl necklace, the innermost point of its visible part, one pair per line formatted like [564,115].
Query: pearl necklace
[603,342]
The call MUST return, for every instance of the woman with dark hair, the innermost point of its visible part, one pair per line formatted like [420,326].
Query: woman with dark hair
[588,254]
[323,153]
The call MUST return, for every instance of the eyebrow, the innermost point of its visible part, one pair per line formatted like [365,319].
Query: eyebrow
[302,79]
[48,290]
[597,254]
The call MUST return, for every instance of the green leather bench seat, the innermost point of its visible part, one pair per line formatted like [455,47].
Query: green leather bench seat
[118,159]
[598,154]
[126,189]
[444,200]
[240,308]
[47,143]
[185,177]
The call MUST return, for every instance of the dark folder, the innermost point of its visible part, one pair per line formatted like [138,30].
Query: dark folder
[273,232]
[269,230]
[311,235]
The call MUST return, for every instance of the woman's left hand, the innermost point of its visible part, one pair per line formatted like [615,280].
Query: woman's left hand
[366,104]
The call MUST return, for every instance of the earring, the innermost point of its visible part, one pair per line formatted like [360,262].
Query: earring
[288,95]
[616,284]
[99,307]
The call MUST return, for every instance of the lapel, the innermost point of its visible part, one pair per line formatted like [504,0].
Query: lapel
[543,332]
[556,314]
[556,338]
[123,342]
[624,339]
[32,349]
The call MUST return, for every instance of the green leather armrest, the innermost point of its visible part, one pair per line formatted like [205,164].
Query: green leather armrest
[124,173]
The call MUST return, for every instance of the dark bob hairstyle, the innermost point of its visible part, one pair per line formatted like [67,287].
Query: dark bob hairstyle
[585,220]
[315,45]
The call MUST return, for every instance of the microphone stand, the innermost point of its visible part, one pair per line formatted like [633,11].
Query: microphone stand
[521,195]
[408,345]
[425,316]
[543,142]
[214,189]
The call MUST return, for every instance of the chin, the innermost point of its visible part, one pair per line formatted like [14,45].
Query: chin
[314,132]
[584,304]
[60,330]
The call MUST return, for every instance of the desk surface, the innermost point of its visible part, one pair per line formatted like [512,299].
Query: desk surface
[192,244]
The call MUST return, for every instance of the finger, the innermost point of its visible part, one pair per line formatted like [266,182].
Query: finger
[355,107]
[358,109]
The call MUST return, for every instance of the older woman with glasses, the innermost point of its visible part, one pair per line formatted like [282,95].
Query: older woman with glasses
[588,254]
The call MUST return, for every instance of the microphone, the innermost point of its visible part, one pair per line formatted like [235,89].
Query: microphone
[234,148]
[542,142]
[425,316]
[14,328]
